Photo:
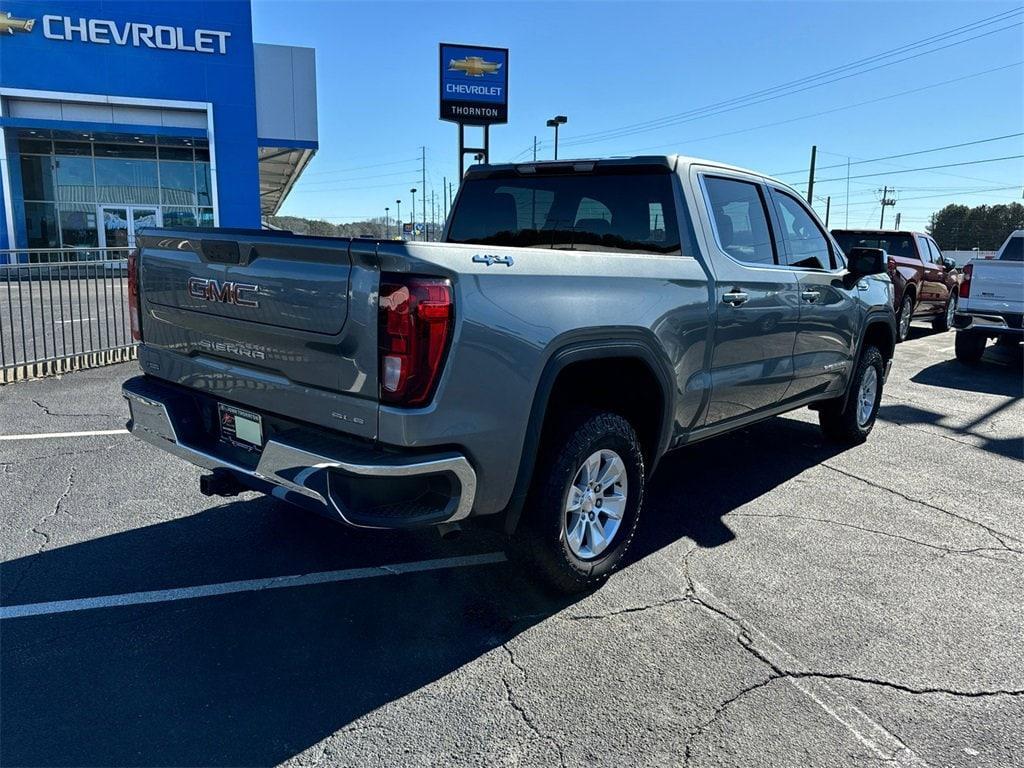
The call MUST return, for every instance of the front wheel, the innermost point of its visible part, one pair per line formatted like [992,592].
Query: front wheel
[970,346]
[584,504]
[944,321]
[851,422]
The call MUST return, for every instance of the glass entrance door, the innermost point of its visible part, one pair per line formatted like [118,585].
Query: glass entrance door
[121,222]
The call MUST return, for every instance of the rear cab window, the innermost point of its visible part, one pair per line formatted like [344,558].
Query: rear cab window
[893,243]
[616,209]
[1013,250]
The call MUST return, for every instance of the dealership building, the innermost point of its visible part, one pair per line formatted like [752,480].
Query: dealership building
[120,115]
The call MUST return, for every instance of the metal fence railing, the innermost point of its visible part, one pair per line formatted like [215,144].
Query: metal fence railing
[61,310]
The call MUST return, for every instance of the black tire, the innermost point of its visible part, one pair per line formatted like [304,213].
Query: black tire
[906,311]
[944,321]
[540,541]
[970,346]
[838,419]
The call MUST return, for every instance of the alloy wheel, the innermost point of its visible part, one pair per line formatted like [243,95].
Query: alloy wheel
[595,504]
[866,396]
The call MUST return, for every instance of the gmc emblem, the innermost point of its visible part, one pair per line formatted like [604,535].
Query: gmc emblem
[225,293]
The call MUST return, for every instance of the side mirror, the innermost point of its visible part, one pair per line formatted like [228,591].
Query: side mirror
[948,263]
[866,261]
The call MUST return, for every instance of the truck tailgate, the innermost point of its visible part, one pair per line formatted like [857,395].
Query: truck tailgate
[274,321]
[996,286]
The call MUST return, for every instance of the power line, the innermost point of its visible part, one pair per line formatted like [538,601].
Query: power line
[357,178]
[904,154]
[732,104]
[362,167]
[833,110]
[945,194]
[928,168]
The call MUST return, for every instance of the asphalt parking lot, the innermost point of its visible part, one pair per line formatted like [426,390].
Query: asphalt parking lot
[788,604]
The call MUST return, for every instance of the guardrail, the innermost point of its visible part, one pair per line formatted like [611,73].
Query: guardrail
[62,310]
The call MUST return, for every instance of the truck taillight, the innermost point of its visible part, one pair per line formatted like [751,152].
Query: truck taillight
[134,308]
[965,284]
[415,326]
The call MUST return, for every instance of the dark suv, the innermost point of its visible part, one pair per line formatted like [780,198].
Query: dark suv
[926,284]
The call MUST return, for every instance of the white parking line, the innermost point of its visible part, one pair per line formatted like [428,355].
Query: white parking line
[249,585]
[45,435]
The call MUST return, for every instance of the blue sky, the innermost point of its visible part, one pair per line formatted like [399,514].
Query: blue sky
[609,65]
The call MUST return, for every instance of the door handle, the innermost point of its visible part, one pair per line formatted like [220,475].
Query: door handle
[810,296]
[735,298]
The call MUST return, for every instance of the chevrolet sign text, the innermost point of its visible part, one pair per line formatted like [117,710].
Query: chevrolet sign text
[106,32]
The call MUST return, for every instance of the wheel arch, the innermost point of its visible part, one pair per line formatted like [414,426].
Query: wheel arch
[634,346]
[879,331]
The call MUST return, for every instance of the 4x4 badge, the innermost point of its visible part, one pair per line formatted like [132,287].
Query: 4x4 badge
[489,260]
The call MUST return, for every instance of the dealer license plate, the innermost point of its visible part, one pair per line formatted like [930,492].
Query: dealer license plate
[240,427]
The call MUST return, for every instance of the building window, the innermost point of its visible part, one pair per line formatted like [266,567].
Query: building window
[78,225]
[68,179]
[41,225]
[75,182]
[36,177]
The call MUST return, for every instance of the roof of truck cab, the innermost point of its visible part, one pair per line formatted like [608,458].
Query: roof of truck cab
[876,231]
[670,162]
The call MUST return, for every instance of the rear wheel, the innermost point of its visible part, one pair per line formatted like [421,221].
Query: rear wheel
[970,346]
[905,315]
[944,321]
[851,422]
[584,505]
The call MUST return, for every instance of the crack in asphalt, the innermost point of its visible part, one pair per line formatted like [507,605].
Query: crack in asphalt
[512,701]
[35,530]
[621,611]
[977,551]
[999,536]
[57,509]
[45,409]
[719,711]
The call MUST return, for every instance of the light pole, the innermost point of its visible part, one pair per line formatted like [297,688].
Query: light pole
[554,122]
[398,218]
[387,223]
[412,216]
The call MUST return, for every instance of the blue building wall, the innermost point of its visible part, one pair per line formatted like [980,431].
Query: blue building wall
[29,60]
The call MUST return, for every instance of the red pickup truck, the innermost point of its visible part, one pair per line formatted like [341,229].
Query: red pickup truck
[925,283]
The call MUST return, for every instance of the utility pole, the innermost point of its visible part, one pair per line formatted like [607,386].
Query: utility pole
[387,223]
[886,200]
[828,209]
[423,185]
[810,177]
[398,218]
[444,198]
[535,149]
[898,220]
[433,216]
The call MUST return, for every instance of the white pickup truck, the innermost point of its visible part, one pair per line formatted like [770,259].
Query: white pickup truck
[991,304]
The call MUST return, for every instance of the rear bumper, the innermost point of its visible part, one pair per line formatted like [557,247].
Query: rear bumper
[992,324]
[357,483]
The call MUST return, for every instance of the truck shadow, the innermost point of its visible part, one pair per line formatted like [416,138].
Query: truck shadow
[258,677]
[1000,372]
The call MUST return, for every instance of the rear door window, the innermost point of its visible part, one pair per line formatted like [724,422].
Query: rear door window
[740,218]
[806,244]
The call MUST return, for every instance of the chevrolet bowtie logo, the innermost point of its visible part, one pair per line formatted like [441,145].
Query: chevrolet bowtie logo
[10,25]
[474,66]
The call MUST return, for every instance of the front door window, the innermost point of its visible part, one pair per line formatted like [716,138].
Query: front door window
[121,222]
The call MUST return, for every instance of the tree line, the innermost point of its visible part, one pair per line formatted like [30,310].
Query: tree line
[985,227]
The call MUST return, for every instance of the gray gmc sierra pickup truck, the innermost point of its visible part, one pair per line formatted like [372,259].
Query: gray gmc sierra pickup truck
[579,320]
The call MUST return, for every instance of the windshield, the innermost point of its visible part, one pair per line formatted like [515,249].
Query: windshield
[595,211]
[1014,250]
[893,243]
